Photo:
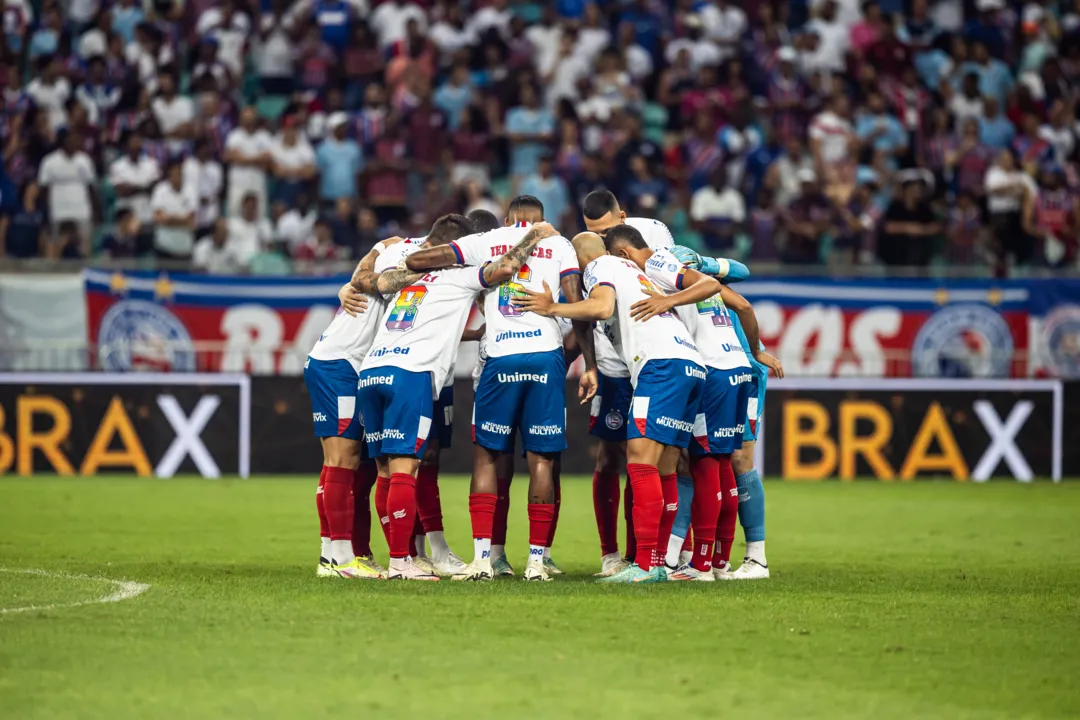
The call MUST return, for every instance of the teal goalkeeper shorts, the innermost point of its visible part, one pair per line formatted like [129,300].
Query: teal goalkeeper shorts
[755,407]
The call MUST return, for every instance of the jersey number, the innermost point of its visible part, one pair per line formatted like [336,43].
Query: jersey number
[513,288]
[403,313]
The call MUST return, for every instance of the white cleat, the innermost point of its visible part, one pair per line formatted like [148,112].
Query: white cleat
[722,571]
[425,564]
[612,564]
[449,566]
[750,570]
[552,568]
[476,571]
[690,573]
[685,558]
[407,570]
[324,569]
[535,572]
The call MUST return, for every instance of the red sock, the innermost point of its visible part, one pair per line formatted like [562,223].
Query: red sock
[361,526]
[502,513]
[540,519]
[428,504]
[338,501]
[320,506]
[482,512]
[729,511]
[648,507]
[605,500]
[382,489]
[555,515]
[705,509]
[669,484]
[417,539]
[401,507]
[628,516]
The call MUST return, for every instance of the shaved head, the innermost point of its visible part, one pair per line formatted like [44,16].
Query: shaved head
[589,246]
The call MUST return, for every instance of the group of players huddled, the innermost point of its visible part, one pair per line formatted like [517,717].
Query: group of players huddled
[674,371]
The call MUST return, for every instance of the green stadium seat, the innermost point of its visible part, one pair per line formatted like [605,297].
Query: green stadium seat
[654,119]
[270,107]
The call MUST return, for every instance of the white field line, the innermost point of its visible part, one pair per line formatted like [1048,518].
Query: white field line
[124,590]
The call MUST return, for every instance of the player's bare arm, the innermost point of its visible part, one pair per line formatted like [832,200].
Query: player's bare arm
[748,318]
[507,266]
[433,258]
[364,277]
[589,381]
[473,335]
[600,305]
[393,281]
[697,287]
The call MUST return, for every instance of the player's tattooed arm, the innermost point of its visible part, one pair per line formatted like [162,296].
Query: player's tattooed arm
[748,318]
[507,266]
[393,281]
[600,305]
[362,282]
[696,287]
[433,258]
[589,381]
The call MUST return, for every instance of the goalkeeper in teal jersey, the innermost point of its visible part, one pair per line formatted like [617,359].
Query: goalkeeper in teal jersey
[751,491]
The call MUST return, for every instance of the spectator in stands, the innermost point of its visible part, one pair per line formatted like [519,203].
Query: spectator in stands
[551,190]
[296,223]
[909,227]
[646,193]
[319,246]
[123,241]
[133,176]
[204,176]
[175,114]
[228,28]
[214,255]
[25,228]
[968,103]
[718,212]
[964,230]
[46,39]
[455,95]
[340,162]
[529,128]
[249,234]
[343,225]
[276,58]
[807,221]
[65,244]
[880,130]
[386,177]
[292,162]
[995,130]
[174,208]
[50,91]
[69,177]
[98,95]
[968,162]
[247,154]
[390,19]
[363,64]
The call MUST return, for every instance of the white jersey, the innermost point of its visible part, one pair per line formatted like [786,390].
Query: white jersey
[608,361]
[422,326]
[709,321]
[661,337]
[656,234]
[511,331]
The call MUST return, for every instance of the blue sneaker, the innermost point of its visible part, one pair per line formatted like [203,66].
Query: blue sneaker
[634,574]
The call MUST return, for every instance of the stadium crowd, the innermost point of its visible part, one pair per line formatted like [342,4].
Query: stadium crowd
[240,135]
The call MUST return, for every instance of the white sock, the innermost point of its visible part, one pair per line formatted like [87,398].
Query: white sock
[547,553]
[756,552]
[674,547]
[341,551]
[497,551]
[400,563]
[325,552]
[536,554]
[482,549]
[418,542]
[439,548]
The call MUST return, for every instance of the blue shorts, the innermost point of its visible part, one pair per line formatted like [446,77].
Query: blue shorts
[719,426]
[666,400]
[610,408]
[396,407]
[525,393]
[331,384]
[755,406]
[444,417]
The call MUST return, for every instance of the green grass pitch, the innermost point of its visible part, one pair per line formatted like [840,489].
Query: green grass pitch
[888,600]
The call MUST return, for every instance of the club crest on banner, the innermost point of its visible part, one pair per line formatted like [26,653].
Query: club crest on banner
[963,341]
[144,336]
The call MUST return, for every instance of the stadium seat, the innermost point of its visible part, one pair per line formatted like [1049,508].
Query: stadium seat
[270,107]
[654,118]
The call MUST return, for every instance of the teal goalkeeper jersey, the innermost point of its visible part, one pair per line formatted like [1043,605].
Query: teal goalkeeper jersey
[758,367]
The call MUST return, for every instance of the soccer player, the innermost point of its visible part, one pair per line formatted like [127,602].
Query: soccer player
[409,358]
[666,372]
[522,386]
[719,426]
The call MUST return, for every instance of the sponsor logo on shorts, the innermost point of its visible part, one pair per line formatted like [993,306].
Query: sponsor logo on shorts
[375,380]
[523,377]
[740,378]
[545,430]
[318,417]
[388,434]
[389,351]
[664,421]
[518,334]
[685,343]
[728,432]
[695,372]
[496,428]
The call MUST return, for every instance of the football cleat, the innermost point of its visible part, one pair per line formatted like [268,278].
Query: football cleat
[449,566]
[721,571]
[551,567]
[749,570]
[536,572]
[501,567]
[685,558]
[610,564]
[634,574]
[356,570]
[688,572]
[406,569]
[372,563]
[476,571]
[425,564]
[324,569]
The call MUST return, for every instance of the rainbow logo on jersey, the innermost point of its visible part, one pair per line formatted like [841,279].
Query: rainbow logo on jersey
[721,316]
[403,313]
[513,288]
